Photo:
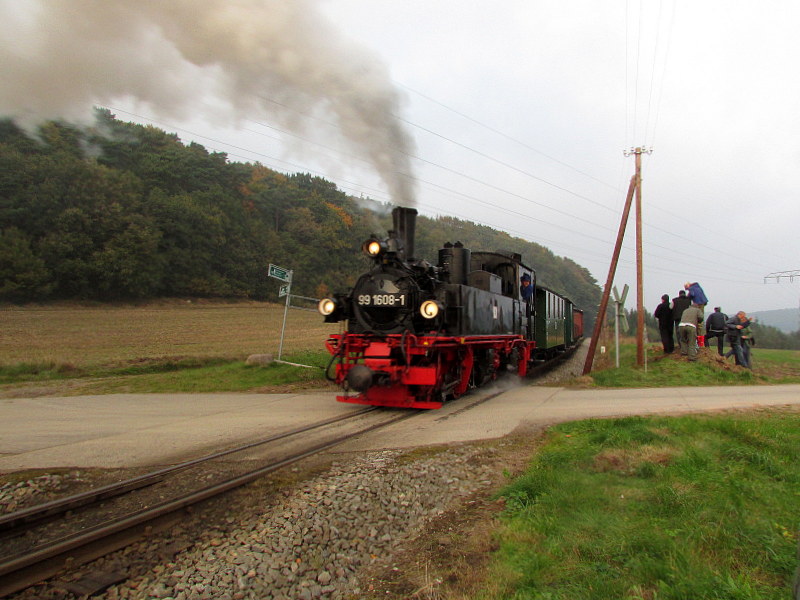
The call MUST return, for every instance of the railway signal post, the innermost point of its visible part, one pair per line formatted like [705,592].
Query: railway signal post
[619,301]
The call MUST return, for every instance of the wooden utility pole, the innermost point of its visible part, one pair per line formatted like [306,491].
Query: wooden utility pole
[639,276]
[612,269]
[635,188]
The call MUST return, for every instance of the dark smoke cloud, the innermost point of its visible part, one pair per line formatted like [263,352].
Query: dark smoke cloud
[60,57]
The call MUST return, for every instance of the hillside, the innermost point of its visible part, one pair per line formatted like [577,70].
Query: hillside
[121,211]
[785,319]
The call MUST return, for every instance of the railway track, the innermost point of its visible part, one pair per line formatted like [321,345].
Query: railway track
[79,539]
[116,519]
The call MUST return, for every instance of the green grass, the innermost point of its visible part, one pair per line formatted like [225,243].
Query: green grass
[668,373]
[187,375]
[48,371]
[656,508]
[769,367]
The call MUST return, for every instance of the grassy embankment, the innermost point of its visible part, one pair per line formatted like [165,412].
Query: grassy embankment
[769,367]
[171,346]
[661,508]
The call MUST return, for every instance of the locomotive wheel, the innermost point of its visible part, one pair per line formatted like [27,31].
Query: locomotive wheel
[484,367]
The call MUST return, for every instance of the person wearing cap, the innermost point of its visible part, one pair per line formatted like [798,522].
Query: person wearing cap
[715,327]
[690,329]
[664,315]
[525,288]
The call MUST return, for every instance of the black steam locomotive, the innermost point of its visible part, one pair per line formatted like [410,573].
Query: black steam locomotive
[417,334]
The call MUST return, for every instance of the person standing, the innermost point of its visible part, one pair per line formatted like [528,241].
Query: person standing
[679,304]
[715,327]
[734,328]
[690,328]
[696,294]
[748,341]
[665,324]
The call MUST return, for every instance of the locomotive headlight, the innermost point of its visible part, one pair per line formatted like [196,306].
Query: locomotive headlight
[326,306]
[430,309]
[374,247]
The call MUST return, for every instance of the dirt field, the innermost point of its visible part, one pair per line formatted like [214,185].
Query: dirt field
[111,334]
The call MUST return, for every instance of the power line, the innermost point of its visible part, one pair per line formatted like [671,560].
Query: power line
[472,198]
[504,135]
[678,236]
[664,69]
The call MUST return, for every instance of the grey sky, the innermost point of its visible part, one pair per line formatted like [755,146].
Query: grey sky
[517,114]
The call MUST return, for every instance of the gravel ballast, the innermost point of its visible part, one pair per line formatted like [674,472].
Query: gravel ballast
[310,541]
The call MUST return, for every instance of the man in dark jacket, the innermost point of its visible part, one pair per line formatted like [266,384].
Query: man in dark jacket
[734,326]
[679,304]
[664,315]
[715,327]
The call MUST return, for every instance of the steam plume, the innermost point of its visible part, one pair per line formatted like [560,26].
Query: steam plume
[60,57]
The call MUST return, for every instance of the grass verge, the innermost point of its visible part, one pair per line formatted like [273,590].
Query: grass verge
[171,375]
[769,367]
[658,508]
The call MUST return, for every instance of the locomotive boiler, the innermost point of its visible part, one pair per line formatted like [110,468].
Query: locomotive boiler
[416,334]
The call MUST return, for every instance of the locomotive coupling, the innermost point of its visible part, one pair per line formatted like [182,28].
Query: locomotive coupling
[359,378]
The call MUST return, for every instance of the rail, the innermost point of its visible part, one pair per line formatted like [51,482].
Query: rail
[42,562]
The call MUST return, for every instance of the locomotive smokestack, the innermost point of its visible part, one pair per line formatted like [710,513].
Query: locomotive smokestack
[405,220]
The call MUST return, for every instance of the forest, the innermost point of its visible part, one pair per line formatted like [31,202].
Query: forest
[121,211]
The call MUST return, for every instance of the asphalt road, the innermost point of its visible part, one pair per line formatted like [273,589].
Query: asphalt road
[127,430]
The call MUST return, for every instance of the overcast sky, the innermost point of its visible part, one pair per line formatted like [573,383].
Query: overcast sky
[513,114]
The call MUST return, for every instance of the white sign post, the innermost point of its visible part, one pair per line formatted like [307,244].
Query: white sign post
[283,275]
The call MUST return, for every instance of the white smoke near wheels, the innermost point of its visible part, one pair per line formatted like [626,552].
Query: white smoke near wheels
[253,57]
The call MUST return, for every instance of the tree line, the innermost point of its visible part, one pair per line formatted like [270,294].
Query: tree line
[118,211]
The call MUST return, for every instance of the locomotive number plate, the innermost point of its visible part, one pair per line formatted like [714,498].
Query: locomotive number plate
[382,299]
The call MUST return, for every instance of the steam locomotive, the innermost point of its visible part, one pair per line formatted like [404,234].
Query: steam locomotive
[418,334]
